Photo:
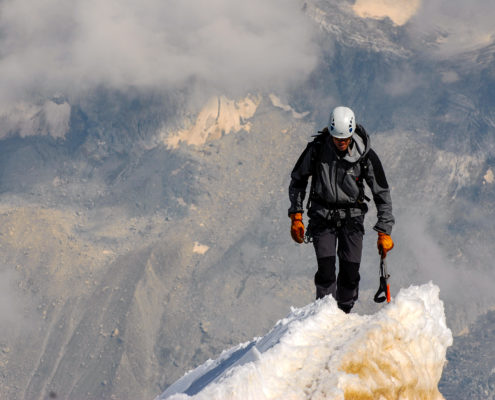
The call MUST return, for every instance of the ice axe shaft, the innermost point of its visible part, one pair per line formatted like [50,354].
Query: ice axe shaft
[383,292]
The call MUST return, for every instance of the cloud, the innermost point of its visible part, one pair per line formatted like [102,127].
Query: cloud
[54,46]
[463,274]
[452,25]
[455,25]
[402,82]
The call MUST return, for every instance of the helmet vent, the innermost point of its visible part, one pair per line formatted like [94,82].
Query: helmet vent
[342,122]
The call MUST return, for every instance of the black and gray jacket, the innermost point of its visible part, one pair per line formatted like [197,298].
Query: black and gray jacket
[334,180]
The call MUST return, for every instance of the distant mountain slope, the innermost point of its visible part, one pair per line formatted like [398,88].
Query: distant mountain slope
[472,351]
[130,255]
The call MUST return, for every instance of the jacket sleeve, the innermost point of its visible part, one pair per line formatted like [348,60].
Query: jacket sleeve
[300,175]
[378,184]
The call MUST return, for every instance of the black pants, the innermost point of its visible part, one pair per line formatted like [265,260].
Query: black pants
[346,242]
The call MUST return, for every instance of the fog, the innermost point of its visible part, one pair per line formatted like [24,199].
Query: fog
[53,46]
[457,25]
[230,47]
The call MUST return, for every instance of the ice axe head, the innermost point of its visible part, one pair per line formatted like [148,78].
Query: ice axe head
[383,292]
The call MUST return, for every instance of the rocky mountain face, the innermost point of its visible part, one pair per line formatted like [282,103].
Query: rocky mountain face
[139,238]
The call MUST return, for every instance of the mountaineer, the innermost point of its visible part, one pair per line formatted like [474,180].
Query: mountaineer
[339,160]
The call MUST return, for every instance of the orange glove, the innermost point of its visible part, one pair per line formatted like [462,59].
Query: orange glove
[384,244]
[297,227]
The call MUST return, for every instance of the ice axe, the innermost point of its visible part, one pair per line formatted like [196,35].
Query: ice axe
[383,292]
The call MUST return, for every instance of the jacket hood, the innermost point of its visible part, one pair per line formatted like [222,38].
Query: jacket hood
[360,145]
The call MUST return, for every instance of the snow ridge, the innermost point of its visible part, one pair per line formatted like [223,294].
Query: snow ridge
[318,352]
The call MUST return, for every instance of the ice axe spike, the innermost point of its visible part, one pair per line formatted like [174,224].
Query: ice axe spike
[383,292]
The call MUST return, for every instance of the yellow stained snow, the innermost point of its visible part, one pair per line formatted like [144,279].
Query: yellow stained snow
[385,366]
[219,116]
[399,11]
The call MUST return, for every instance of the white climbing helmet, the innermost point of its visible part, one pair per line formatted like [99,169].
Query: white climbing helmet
[342,123]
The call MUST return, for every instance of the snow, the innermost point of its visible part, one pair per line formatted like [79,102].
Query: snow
[318,352]
[48,119]
[488,178]
[57,118]
[199,248]
[277,102]
[219,116]
[398,11]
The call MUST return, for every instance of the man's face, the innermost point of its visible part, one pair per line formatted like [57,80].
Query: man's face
[341,144]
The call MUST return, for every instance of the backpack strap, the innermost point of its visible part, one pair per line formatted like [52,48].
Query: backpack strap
[316,156]
[363,163]
[318,142]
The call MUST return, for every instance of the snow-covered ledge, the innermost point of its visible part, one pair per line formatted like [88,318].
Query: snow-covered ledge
[318,352]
